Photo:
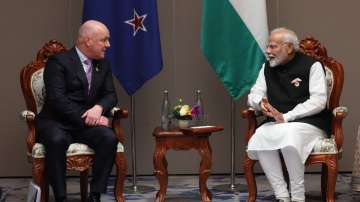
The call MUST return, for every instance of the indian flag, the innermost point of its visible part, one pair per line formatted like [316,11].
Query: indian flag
[233,38]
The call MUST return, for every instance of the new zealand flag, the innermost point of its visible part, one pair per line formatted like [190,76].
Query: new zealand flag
[135,51]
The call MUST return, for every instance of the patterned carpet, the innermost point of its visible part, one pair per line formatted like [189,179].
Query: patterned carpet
[185,188]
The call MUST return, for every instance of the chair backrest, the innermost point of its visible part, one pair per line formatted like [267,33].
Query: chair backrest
[31,76]
[333,69]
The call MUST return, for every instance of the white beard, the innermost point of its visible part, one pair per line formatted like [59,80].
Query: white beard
[273,62]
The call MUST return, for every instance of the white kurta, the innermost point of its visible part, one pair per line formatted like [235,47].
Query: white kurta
[301,136]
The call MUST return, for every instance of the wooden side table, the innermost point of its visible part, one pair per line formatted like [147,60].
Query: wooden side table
[183,139]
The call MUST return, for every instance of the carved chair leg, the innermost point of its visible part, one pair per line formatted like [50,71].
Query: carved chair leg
[324,180]
[121,171]
[84,184]
[38,172]
[332,166]
[250,178]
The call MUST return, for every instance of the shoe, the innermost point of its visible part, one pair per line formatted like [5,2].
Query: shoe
[94,197]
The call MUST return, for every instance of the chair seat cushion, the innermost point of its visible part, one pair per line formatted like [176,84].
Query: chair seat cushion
[74,149]
[325,146]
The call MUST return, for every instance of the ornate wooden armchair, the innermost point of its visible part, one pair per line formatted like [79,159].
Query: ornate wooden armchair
[79,156]
[328,150]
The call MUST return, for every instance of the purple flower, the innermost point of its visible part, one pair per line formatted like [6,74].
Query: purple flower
[195,111]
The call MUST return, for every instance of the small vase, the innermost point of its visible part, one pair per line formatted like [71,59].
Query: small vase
[183,123]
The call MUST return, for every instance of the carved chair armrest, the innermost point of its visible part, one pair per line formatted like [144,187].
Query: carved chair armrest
[29,117]
[339,114]
[250,114]
[118,114]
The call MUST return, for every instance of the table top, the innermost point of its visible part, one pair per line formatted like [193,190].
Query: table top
[192,131]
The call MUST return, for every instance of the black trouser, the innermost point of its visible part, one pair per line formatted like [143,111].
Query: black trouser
[56,140]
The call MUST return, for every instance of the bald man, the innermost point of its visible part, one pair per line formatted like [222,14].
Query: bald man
[79,93]
[291,91]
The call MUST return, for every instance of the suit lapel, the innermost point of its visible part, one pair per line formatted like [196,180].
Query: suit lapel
[96,75]
[79,69]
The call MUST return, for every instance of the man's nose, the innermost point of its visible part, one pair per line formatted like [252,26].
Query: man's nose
[268,50]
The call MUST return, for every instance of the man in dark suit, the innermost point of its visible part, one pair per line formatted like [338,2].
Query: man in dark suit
[79,93]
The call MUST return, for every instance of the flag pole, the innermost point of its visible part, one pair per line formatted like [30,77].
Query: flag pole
[135,189]
[232,142]
[232,187]
[133,141]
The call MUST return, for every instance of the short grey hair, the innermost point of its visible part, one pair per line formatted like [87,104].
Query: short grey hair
[288,36]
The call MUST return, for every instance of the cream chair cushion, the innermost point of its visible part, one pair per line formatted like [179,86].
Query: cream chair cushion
[330,82]
[38,88]
[325,146]
[38,150]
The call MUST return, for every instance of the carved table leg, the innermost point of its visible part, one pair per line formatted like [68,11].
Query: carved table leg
[205,169]
[160,165]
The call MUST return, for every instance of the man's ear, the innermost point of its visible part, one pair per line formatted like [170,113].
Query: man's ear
[290,48]
[88,41]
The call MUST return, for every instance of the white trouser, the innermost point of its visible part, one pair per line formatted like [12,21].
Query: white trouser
[271,165]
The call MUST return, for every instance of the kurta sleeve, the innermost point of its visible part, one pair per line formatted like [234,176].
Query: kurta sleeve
[258,91]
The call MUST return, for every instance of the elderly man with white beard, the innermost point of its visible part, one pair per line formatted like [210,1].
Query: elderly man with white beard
[291,92]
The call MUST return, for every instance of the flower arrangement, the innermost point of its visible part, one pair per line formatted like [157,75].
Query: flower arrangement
[185,112]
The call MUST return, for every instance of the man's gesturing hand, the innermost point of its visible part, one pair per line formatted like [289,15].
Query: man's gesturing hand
[265,107]
[270,111]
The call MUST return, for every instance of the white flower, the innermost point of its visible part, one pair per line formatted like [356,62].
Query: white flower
[185,109]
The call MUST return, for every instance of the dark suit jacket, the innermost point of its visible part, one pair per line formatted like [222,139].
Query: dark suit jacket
[66,87]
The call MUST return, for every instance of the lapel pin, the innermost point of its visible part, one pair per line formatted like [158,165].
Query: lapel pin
[296,82]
